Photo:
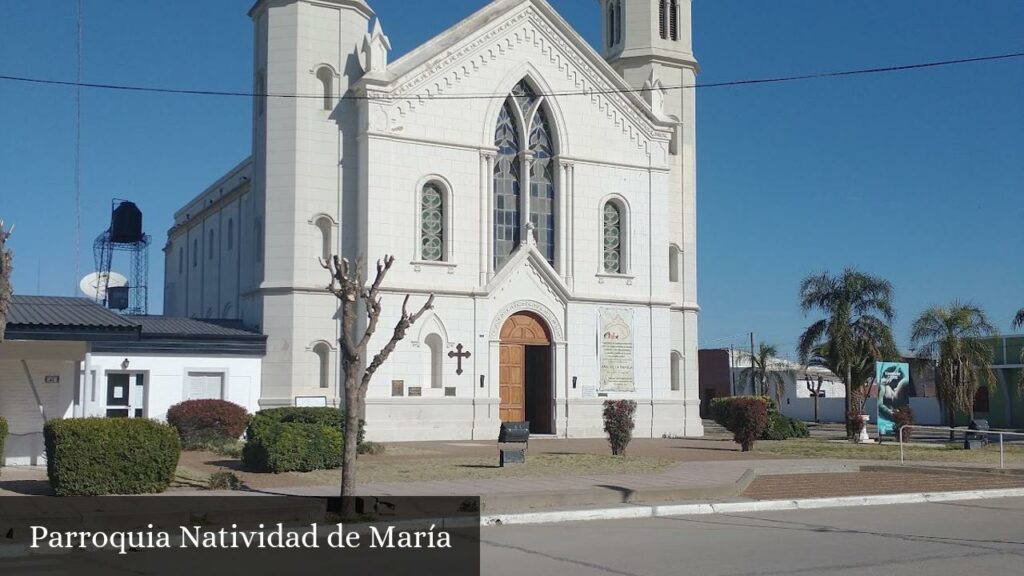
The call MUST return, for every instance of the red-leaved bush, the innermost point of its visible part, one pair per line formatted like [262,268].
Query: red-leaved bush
[619,423]
[199,421]
[745,416]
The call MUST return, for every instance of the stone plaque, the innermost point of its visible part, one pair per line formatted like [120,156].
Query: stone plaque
[398,387]
[449,391]
[415,391]
[616,349]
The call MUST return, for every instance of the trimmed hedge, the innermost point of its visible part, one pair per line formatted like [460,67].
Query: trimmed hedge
[97,456]
[3,437]
[201,422]
[745,416]
[781,427]
[295,440]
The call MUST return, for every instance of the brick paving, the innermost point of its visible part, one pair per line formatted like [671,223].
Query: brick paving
[793,486]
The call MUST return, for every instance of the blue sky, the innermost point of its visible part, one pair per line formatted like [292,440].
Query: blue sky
[917,176]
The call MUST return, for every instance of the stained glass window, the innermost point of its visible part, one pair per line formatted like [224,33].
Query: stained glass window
[542,186]
[432,223]
[506,187]
[612,238]
[511,143]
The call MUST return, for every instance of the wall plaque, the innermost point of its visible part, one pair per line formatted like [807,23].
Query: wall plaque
[616,350]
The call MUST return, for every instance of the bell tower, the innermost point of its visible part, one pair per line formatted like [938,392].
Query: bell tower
[650,44]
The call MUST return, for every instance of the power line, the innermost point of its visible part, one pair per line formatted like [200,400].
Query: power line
[747,82]
[78,150]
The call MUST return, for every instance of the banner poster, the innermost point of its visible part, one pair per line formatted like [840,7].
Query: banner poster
[616,350]
[893,380]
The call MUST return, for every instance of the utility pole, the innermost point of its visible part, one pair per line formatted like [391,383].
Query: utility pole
[732,373]
[753,389]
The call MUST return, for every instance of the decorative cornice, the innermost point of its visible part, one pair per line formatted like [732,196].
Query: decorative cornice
[441,76]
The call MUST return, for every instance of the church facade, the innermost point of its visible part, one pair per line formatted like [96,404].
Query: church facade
[543,190]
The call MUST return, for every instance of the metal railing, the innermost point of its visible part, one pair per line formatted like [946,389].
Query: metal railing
[966,431]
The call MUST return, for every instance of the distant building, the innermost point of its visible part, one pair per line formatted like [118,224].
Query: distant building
[72,358]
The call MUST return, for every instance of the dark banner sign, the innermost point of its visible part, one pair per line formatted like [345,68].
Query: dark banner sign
[239,535]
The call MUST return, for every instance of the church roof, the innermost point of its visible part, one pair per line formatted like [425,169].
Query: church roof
[433,53]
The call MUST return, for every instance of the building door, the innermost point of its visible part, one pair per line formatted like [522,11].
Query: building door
[526,383]
[126,395]
[511,386]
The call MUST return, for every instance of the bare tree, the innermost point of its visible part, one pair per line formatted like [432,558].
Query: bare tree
[348,284]
[6,266]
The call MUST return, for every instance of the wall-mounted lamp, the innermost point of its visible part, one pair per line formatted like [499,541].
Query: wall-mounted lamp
[482,380]
[573,382]
[124,365]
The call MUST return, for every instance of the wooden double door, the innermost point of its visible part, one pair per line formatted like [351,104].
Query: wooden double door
[525,380]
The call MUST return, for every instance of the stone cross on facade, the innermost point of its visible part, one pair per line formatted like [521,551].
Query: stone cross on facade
[460,355]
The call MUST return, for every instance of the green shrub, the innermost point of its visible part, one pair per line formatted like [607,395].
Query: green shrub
[294,440]
[781,427]
[96,456]
[371,448]
[205,423]
[745,416]
[224,481]
[3,437]
[619,424]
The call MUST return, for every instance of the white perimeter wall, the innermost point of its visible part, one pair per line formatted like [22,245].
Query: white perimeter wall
[166,380]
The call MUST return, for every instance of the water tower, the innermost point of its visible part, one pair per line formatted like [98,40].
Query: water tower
[125,236]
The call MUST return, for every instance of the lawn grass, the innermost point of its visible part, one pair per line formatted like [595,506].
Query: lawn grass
[417,469]
[814,448]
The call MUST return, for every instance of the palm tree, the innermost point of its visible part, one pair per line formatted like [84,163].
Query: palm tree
[766,371]
[6,260]
[955,335]
[855,332]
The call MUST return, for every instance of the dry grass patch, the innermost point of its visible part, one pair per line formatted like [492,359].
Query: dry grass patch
[812,448]
[192,473]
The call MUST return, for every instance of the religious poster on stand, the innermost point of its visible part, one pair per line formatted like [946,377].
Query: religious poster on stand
[893,380]
[616,350]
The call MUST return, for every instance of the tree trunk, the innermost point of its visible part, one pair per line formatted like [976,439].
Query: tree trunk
[351,447]
[846,402]
[952,422]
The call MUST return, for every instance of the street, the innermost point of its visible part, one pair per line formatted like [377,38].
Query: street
[972,537]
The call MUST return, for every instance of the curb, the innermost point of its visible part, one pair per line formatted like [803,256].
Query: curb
[658,511]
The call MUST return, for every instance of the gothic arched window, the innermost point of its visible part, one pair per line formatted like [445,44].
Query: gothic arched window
[323,361]
[673,19]
[662,19]
[432,219]
[435,349]
[618,22]
[611,24]
[325,226]
[524,113]
[326,77]
[613,238]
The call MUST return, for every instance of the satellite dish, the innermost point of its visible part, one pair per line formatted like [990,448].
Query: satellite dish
[95,285]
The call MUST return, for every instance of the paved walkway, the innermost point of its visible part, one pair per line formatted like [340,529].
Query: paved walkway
[683,475]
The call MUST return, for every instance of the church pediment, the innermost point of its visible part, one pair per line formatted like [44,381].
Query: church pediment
[438,67]
[528,272]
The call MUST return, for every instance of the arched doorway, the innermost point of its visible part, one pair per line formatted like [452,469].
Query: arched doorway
[525,379]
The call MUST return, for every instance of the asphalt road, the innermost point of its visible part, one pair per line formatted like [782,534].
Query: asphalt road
[961,538]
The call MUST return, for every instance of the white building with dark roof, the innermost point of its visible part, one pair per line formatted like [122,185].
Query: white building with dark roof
[72,358]
[542,188]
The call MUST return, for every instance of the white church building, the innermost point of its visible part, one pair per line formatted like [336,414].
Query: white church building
[541,188]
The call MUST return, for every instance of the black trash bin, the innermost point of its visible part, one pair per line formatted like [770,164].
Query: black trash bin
[977,437]
[513,441]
